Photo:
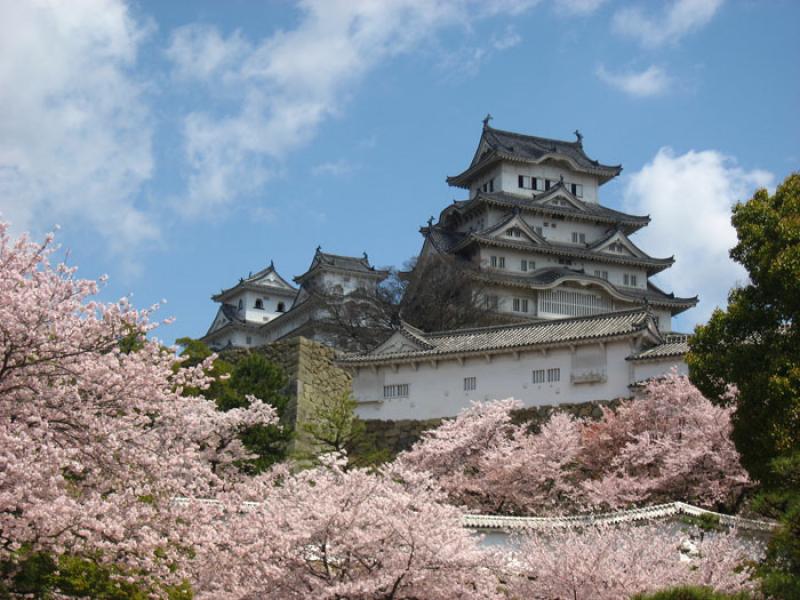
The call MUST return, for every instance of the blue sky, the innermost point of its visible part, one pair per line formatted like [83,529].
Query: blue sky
[181,145]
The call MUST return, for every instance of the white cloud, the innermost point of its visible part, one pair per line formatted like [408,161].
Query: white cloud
[508,39]
[200,52]
[650,82]
[291,81]
[337,168]
[578,7]
[676,20]
[75,136]
[689,198]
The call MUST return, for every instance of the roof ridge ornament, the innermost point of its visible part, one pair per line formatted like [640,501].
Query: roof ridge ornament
[579,138]
[486,120]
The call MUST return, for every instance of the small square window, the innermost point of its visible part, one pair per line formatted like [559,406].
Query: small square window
[538,376]
[502,262]
[470,384]
[553,375]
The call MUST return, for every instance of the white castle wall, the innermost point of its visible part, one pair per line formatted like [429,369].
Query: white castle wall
[438,390]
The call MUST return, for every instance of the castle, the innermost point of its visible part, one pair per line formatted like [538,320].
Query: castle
[588,322]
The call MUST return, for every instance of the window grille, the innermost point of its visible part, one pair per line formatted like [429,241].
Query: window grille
[574,304]
[553,375]
[396,390]
[470,384]
[538,376]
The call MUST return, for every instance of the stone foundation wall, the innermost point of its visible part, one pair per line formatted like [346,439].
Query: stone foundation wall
[396,436]
[311,375]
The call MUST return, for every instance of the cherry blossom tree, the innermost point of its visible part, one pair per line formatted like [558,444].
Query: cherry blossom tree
[670,444]
[609,563]
[96,438]
[331,533]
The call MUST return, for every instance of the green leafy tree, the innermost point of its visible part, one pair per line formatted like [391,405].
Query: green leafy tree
[334,427]
[233,381]
[754,344]
[40,575]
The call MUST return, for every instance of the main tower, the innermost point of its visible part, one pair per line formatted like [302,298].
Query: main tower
[546,247]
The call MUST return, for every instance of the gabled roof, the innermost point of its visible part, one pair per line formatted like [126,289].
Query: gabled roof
[551,277]
[405,338]
[496,145]
[342,264]
[559,190]
[675,344]
[619,237]
[585,211]
[509,338]
[513,221]
[267,280]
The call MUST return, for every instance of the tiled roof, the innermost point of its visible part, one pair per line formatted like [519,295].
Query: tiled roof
[588,211]
[500,144]
[231,313]
[510,337]
[259,282]
[674,345]
[349,263]
[353,264]
[651,264]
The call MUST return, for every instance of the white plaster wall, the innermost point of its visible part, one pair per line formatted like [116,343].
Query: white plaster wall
[236,338]
[439,391]
[511,172]
[270,301]
[495,173]
[562,232]
[646,369]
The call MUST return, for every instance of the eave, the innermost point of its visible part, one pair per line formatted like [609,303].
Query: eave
[604,173]
[627,223]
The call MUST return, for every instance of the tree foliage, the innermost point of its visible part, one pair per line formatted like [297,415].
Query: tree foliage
[447,292]
[671,444]
[610,562]
[230,386]
[754,344]
[96,438]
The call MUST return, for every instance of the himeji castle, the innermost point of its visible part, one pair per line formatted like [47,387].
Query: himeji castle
[588,323]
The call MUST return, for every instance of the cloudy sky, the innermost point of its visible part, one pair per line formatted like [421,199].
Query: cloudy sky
[181,145]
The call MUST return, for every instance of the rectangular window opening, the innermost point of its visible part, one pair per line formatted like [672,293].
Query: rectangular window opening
[396,390]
